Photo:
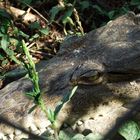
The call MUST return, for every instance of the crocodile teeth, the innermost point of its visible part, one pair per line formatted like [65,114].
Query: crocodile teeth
[6,129]
[32,122]
[50,131]
[17,132]
[27,122]
[33,128]
[37,132]
[14,134]
[79,122]
[1,135]
[40,120]
[11,136]
[42,124]
[18,137]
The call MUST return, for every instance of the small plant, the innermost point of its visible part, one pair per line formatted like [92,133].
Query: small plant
[33,75]
[36,92]
[68,10]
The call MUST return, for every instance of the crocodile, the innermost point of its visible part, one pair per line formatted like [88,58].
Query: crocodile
[104,63]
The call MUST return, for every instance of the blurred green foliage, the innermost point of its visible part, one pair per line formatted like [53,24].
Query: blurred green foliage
[130,130]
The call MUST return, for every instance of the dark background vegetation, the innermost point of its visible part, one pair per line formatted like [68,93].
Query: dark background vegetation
[62,18]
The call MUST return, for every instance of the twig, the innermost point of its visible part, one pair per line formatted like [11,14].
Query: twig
[78,21]
[36,11]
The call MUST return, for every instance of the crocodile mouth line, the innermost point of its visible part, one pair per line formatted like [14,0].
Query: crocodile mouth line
[15,126]
[122,76]
[13,131]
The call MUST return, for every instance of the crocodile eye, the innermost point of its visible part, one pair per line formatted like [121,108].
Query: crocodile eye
[91,77]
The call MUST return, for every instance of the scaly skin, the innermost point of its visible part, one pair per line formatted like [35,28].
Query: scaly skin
[102,63]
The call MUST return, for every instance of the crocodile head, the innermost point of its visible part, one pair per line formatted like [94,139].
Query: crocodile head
[103,64]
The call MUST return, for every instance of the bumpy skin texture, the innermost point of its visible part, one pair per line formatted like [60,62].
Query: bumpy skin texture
[103,63]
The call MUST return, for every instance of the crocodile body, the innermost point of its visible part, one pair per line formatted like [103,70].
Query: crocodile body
[105,64]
